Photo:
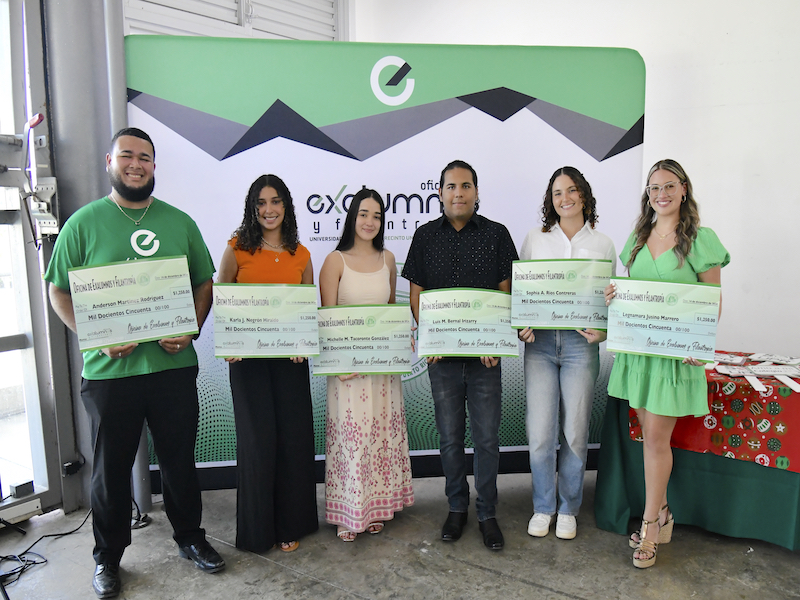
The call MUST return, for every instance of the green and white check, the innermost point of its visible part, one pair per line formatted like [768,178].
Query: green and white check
[369,339]
[133,301]
[466,322]
[265,320]
[559,294]
[661,318]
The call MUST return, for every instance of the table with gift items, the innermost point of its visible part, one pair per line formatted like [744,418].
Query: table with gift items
[736,470]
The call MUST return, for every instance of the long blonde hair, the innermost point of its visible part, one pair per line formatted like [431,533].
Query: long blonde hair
[689,223]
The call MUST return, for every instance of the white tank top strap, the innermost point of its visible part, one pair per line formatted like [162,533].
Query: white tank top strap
[343,260]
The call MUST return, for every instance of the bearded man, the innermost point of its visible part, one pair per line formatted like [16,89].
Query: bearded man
[124,385]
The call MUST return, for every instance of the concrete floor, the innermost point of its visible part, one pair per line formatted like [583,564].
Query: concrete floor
[408,561]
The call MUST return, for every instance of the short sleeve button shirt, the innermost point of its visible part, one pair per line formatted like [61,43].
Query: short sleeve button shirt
[478,256]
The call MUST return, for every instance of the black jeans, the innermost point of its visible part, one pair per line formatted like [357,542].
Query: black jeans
[117,409]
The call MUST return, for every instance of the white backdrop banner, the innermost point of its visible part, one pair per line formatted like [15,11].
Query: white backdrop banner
[331,117]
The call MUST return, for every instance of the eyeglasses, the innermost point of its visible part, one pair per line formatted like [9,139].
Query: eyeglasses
[669,189]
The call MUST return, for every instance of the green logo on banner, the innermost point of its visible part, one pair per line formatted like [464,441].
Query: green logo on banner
[336,82]
[394,82]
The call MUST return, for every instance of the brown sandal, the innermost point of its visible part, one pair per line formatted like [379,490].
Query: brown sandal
[646,547]
[664,532]
[289,546]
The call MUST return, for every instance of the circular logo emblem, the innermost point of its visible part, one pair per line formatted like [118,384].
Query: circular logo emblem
[400,75]
[672,299]
[275,301]
[143,279]
[477,305]
[571,276]
[370,321]
[144,242]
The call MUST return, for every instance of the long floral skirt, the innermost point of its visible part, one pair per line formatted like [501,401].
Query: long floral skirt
[367,469]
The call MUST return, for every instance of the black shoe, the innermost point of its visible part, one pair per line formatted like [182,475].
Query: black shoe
[106,583]
[453,526]
[204,556]
[492,536]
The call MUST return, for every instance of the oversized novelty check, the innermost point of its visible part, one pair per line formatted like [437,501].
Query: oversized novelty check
[559,294]
[660,318]
[367,339]
[132,301]
[265,320]
[466,322]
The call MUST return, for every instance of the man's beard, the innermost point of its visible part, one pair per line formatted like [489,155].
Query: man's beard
[131,194]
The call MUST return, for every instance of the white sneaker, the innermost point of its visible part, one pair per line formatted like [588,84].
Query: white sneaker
[539,525]
[566,527]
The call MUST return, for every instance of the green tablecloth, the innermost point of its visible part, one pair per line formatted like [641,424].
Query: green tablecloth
[730,497]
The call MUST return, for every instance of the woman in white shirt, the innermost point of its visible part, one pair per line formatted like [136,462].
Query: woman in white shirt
[561,365]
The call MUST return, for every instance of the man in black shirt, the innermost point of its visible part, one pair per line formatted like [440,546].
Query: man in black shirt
[464,249]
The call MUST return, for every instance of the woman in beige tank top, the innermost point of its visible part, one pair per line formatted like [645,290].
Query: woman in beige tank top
[367,469]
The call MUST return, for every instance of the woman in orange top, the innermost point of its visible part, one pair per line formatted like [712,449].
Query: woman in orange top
[276,499]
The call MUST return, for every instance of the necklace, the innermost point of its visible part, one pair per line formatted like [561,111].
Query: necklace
[135,222]
[661,237]
[276,249]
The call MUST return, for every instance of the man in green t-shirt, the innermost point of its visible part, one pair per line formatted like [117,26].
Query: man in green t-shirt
[124,385]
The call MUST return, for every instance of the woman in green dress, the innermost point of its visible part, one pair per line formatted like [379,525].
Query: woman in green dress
[667,244]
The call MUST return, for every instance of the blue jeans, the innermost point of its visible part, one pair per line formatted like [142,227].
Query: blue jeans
[560,371]
[454,384]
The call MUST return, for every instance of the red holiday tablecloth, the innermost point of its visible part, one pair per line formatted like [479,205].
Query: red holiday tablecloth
[743,424]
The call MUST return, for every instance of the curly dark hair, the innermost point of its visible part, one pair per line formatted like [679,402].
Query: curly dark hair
[550,216]
[248,235]
[348,238]
[685,232]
